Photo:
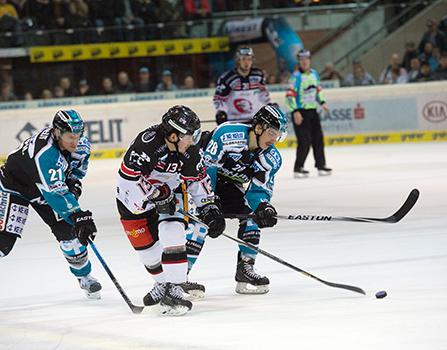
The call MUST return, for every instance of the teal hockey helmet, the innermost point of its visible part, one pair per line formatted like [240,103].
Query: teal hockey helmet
[68,121]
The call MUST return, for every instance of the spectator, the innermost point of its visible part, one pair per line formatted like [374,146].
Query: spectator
[107,86]
[9,22]
[124,85]
[427,56]
[65,84]
[359,76]
[42,13]
[46,94]
[166,83]
[188,83]
[410,53]
[144,80]
[106,14]
[271,79]
[329,73]
[84,88]
[425,73]
[147,10]
[393,73]
[6,93]
[415,70]
[441,72]
[28,96]
[195,10]
[58,92]
[132,26]
[433,36]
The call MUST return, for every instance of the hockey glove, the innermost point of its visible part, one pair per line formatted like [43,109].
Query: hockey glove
[211,214]
[221,117]
[265,215]
[75,187]
[83,226]
[165,201]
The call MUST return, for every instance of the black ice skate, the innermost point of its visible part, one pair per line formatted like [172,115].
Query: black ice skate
[248,281]
[300,173]
[324,171]
[91,287]
[174,302]
[194,290]
[155,295]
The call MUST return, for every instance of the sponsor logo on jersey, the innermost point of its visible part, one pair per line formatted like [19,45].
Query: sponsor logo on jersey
[4,202]
[135,232]
[62,162]
[233,136]
[17,219]
[148,136]
[243,105]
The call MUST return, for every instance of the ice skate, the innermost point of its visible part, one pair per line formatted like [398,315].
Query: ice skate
[155,295]
[248,280]
[300,173]
[91,286]
[194,290]
[324,171]
[173,301]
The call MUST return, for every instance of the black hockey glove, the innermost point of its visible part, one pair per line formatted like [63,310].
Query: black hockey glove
[265,215]
[165,201]
[83,226]
[211,214]
[75,187]
[221,117]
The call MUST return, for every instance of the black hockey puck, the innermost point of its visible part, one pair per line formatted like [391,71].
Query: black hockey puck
[381,294]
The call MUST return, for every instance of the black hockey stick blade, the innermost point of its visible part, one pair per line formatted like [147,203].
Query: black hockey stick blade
[396,217]
[134,308]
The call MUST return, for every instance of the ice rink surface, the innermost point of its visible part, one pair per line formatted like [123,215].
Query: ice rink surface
[42,307]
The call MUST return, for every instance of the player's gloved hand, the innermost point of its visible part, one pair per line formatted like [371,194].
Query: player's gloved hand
[221,117]
[83,226]
[265,215]
[165,200]
[75,187]
[211,214]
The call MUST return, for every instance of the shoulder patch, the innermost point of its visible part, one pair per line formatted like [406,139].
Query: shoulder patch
[148,136]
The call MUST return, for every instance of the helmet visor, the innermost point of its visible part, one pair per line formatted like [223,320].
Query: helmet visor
[276,134]
[191,139]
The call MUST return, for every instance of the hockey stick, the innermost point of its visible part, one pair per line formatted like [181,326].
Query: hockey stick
[279,260]
[135,308]
[396,217]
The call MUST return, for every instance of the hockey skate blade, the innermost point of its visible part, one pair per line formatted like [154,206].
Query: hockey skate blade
[178,310]
[93,295]
[324,173]
[300,176]
[194,295]
[247,288]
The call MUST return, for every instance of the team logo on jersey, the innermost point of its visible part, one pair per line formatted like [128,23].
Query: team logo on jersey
[4,203]
[148,136]
[243,105]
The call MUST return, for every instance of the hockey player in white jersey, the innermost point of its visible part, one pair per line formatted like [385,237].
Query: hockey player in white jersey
[242,162]
[152,181]
[45,172]
[242,91]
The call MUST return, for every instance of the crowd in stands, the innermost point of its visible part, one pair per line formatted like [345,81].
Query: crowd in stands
[425,62]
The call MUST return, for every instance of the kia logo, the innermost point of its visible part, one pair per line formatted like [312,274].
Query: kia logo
[435,111]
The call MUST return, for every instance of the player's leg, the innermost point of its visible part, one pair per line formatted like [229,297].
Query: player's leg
[142,232]
[13,216]
[74,252]
[303,136]
[318,145]
[233,201]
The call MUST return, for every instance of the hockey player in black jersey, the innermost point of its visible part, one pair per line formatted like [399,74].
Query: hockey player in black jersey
[242,91]
[152,181]
[45,171]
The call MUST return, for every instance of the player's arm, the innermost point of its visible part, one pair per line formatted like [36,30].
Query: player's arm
[79,166]
[212,155]
[264,95]
[292,92]
[220,98]
[260,191]
[320,96]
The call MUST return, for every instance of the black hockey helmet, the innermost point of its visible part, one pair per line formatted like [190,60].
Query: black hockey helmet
[303,53]
[68,121]
[271,116]
[183,121]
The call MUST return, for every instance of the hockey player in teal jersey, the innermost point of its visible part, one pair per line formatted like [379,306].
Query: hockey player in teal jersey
[242,162]
[45,171]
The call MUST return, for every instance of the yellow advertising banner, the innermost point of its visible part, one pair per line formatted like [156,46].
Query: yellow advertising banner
[102,51]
